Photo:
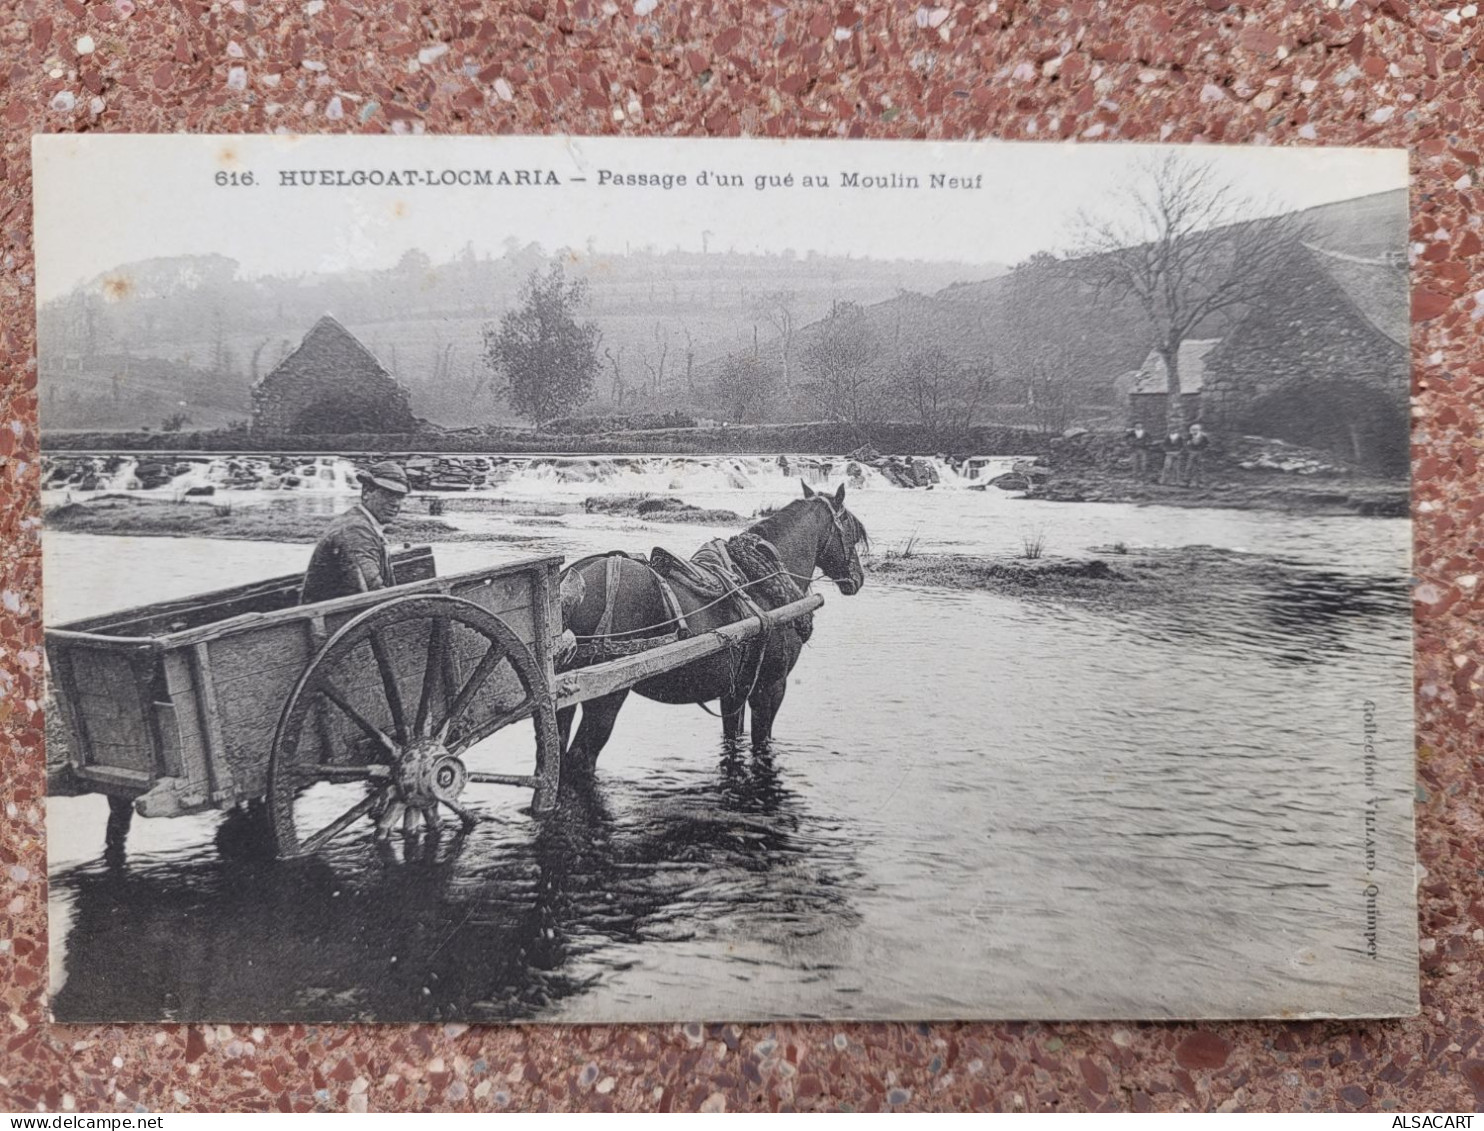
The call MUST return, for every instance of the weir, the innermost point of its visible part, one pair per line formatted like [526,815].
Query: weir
[165,475]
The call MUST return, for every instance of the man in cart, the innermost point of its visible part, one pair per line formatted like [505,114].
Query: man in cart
[351,556]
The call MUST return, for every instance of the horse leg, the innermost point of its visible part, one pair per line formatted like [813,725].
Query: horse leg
[598,717]
[765,702]
[733,716]
[120,816]
[564,726]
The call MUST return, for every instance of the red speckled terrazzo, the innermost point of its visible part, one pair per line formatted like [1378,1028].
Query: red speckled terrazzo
[1393,74]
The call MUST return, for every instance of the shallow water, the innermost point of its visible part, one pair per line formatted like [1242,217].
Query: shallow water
[974,806]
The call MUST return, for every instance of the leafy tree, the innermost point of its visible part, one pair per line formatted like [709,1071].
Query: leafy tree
[1187,249]
[744,386]
[543,360]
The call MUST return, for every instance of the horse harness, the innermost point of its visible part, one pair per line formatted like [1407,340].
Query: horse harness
[722,570]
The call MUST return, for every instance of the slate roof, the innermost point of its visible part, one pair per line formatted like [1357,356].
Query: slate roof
[1193,351]
[1377,287]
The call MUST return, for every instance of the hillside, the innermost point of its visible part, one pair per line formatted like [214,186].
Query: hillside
[133,344]
[1096,337]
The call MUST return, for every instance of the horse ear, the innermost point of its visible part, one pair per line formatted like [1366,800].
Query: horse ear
[840,496]
[808,494]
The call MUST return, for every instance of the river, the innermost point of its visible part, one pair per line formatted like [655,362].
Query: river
[975,806]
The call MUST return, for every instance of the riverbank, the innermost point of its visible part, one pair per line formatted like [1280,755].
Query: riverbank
[702,439]
[1243,491]
[1117,577]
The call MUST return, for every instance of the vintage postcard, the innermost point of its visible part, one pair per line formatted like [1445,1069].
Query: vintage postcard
[565,579]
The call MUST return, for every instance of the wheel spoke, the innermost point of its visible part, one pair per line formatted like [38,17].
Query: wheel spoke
[337,697]
[432,672]
[524,711]
[388,819]
[466,818]
[343,773]
[482,671]
[389,684]
[344,821]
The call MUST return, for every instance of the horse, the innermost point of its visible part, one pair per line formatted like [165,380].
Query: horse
[613,604]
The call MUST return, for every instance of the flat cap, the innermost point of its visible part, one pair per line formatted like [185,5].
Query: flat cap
[387,475]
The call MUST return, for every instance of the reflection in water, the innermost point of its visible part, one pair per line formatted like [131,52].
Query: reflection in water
[486,927]
[1284,611]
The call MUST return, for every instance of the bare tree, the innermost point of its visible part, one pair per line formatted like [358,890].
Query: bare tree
[1186,248]
[615,361]
[778,308]
[938,390]
[841,378]
[657,368]
[1042,363]
[690,361]
[256,353]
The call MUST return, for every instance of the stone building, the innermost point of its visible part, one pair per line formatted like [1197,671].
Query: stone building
[331,384]
[1323,361]
[1149,393]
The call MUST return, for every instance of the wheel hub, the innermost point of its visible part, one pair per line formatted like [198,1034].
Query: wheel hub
[428,774]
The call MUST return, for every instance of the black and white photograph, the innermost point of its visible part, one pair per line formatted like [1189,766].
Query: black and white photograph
[616,580]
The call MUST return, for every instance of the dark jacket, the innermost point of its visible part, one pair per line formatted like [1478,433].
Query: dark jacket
[1137,440]
[1172,443]
[351,557]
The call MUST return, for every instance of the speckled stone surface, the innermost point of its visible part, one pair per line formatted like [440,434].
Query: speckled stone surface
[1331,72]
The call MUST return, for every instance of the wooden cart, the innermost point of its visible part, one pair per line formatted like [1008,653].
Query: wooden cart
[336,714]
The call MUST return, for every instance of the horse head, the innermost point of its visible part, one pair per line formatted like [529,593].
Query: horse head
[838,555]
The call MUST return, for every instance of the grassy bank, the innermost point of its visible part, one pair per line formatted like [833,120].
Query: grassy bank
[1119,578]
[131,516]
[659,508]
[154,518]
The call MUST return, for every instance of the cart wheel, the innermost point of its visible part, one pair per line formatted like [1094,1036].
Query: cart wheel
[375,726]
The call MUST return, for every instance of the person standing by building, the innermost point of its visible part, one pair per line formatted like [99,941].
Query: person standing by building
[1137,441]
[351,556]
[1196,446]
[1172,446]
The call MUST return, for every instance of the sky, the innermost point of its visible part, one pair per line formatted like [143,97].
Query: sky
[106,200]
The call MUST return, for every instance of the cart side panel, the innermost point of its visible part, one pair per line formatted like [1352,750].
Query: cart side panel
[252,674]
[253,671]
[513,598]
[184,752]
[509,597]
[107,689]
